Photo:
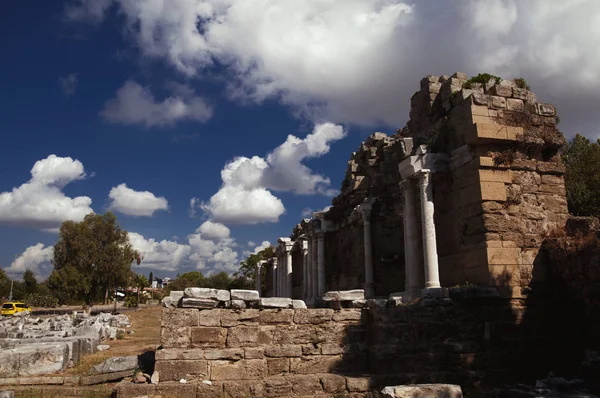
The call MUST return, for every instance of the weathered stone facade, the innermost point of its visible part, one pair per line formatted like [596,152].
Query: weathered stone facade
[465,193]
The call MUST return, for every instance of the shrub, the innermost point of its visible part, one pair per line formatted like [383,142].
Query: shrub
[131,301]
[41,300]
[482,78]
[522,83]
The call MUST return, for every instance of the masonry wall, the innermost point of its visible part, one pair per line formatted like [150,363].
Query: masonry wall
[287,352]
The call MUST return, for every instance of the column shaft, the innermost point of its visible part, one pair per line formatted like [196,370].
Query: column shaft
[259,278]
[315,280]
[414,282]
[369,288]
[288,273]
[321,266]
[274,274]
[432,277]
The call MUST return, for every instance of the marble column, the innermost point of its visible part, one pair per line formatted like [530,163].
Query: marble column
[259,277]
[309,271]
[304,269]
[321,265]
[366,214]
[288,286]
[413,280]
[432,275]
[315,279]
[274,274]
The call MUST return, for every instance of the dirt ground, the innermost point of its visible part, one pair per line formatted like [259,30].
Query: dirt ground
[145,324]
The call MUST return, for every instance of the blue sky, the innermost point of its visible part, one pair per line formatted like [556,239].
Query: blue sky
[142,94]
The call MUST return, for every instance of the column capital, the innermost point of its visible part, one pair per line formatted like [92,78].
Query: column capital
[424,177]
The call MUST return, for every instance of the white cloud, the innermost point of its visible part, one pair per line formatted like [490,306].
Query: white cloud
[135,104]
[262,246]
[214,231]
[162,255]
[358,61]
[40,202]
[245,196]
[251,244]
[68,84]
[193,203]
[307,212]
[36,258]
[135,203]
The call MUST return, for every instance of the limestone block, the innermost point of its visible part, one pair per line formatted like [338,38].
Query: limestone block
[210,390]
[173,317]
[209,317]
[313,316]
[246,369]
[460,75]
[299,304]
[358,384]
[377,303]
[331,349]
[275,302]
[424,390]
[349,314]
[234,318]
[208,336]
[498,102]
[347,295]
[515,105]
[284,350]
[277,366]
[520,93]
[42,358]
[254,353]
[546,109]
[238,304]
[503,176]
[233,354]
[178,353]
[303,385]
[173,389]
[177,370]
[7,394]
[249,336]
[175,336]
[169,302]
[480,98]
[249,295]
[552,179]
[202,303]
[116,364]
[207,293]
[501,90]
[493,191]
[272,316]
[176,295]
[485,132]
[315,364]
[295,334]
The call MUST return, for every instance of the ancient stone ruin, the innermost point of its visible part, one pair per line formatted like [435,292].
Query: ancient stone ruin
[465,193]
[427,261]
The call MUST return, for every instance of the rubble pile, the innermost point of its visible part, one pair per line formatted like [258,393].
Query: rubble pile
[34,346]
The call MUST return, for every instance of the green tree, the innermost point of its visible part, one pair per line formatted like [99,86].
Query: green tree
[91,259]
[582,162]
[188,279]
[150,277]
[140,282]
[219,281]
[31,284]
[246,275]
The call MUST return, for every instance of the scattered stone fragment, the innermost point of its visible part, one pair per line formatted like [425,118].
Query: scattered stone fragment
[155,377]
[249,295]
[423,390]
[344,295]
[275,302]
[298,304]
[198,303]
[116,364]
[7,394]
[238,304]
[103,347]
[207,293]
[139,378]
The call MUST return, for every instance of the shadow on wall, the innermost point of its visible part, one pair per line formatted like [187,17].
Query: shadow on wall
[481,341]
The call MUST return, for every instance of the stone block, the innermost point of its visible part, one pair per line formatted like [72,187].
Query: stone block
[200,303]
[233,354]
[212,389]
[177,369]
[247,295]
[208,336]
[246,369]
[272,316]
[315,364]
[284,350]
[304,385]
[503,176]
[209,317]
[275,302]
[128,389]
[179,353]
[299,304]
[516,105]
[104,377]
[460,75]
[349,314]
[377,303]
[333,384]
[331,349]
[313,316]
[254,353]
[116,364]
[498,102]
[552,179]
[520,93]
[171,389]
[234,318]
[207,293]
[546,109]
[345,295]
[278,366]
[310,349]
[249,336]
[495,191]
[424,390]
[500,90]
[238,304]
[358,384]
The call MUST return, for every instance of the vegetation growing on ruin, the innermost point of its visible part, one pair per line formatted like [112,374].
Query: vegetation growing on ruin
[582,179]
[481,78]
[522,83]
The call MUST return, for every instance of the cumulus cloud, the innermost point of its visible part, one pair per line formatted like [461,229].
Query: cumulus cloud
[68,84]
[135,104]
[40,202]
[251,244]
[262,246]
[307,212]
[161,255]
[358,61]
[36,258]
[245,196]
[135,203]
[213,230]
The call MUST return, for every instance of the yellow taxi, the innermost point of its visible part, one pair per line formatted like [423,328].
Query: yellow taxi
[12,307]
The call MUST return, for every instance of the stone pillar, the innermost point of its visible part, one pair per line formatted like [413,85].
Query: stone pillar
[366,215]
[315,280]
[304,269]
[321,265]
[309,272]
[432,276]
[259,277]
[274,271]
[287,288]
[413,282]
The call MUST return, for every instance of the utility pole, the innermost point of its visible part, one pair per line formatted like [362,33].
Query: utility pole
[11,284]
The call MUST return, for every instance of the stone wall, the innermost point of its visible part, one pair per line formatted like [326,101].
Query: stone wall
[295,352]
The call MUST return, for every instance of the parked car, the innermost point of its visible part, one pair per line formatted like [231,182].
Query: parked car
[12,307]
